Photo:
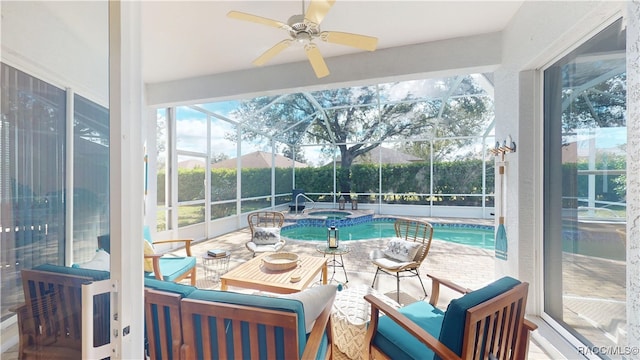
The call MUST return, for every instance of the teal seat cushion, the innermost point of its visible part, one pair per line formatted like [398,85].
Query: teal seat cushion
[265,302]
[397,343]
[146,233]
[173,267]
[93,274]
[452,333]
[168,286]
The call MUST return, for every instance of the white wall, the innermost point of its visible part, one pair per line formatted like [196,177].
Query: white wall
[63,43]
[633,173]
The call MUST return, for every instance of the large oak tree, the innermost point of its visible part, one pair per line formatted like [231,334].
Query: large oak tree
[358,119]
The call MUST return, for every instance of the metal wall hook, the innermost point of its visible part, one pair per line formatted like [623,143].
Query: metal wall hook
[507,146]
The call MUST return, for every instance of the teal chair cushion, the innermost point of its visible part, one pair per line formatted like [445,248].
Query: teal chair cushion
[75,271]
[175,288]
[397,343]
[452,333]
[146,233]
[173,267]
[265,302]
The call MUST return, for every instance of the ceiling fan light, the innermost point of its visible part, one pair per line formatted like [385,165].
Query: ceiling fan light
[303,29]
[303,36]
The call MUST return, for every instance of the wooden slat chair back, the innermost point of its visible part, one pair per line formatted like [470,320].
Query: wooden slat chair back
[163,327]
[493,327]
[225,323]
[52,327]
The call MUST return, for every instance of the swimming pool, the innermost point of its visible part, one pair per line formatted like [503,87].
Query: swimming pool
[481,236]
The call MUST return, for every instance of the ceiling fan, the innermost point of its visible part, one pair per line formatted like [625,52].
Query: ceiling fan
[304,29]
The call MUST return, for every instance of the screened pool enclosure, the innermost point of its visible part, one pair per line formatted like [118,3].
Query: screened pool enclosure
[421,144]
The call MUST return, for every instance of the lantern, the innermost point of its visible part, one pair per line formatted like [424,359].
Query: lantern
[341,202]
[354,203]
[332,237]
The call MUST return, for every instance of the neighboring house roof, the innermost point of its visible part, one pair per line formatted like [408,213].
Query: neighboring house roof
[258,159]
[191,164]
[385,156]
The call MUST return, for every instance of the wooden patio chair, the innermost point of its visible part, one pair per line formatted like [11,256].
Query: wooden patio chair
[50,320]
[159,266]
[484,324]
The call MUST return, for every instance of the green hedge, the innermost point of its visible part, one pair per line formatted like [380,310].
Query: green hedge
[460,177]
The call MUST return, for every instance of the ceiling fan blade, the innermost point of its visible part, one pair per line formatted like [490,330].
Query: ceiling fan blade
[275,50]
[256,19]
[316,60]
[318,9]
[354,40]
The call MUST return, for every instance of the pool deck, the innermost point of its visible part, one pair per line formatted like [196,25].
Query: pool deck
[592,284]
[359,267]
[445,259]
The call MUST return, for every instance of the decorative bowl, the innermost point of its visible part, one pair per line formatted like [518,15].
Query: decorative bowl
[280,261]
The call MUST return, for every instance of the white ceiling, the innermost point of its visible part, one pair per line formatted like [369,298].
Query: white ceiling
[185,39]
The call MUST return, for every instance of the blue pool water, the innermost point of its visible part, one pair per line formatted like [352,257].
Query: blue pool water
[473,235]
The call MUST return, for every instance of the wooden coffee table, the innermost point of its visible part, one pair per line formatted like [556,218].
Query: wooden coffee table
[252,275]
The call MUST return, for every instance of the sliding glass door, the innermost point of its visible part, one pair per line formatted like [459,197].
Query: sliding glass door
[585,190]
[32,178]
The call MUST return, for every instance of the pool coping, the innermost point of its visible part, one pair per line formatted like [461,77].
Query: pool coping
[356,219]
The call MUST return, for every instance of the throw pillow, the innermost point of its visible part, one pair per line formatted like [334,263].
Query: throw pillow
[402,250]
[266,235]
[313,301]
[148,250]
[100,261]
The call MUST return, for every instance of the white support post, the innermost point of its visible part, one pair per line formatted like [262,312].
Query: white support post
[126,186]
